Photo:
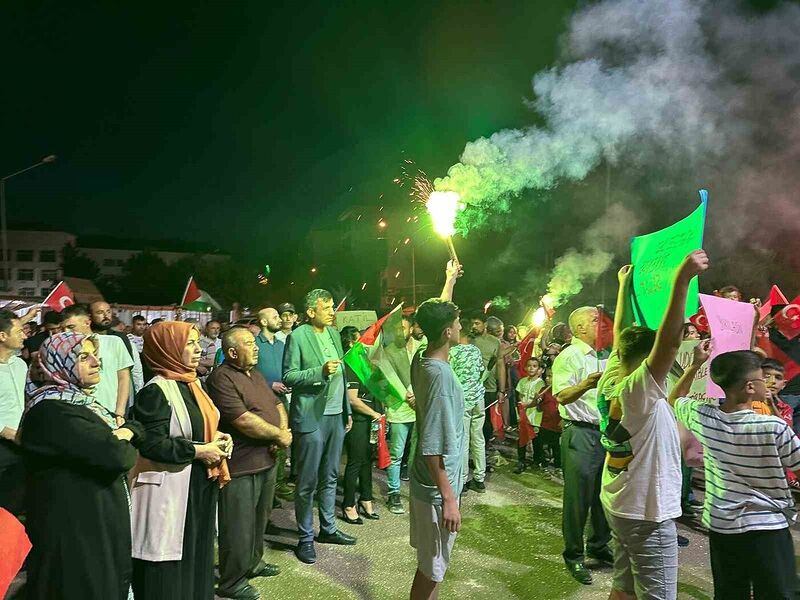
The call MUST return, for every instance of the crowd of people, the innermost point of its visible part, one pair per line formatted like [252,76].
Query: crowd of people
[130,450]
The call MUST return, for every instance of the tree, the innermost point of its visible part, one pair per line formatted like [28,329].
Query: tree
[76,264]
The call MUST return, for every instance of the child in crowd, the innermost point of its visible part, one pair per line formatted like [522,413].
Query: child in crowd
[467,364]
[528,389]
[748,505]
[547,444]
[774,374]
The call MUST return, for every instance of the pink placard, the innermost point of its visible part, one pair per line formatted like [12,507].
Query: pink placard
[731,325]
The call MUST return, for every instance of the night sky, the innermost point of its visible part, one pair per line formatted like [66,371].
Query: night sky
[225,122]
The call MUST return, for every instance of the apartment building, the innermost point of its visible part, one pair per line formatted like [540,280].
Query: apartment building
[33,265]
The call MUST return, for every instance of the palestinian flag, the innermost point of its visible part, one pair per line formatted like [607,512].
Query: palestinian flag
[369,358]
[196,299]
[776,298]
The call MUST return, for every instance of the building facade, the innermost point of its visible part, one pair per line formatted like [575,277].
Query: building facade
[33,265]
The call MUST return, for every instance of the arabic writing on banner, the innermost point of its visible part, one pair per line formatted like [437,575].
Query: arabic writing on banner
[656,258]
[731,324]
[360,319]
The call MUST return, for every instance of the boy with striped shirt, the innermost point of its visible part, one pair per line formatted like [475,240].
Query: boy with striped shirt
[748,505]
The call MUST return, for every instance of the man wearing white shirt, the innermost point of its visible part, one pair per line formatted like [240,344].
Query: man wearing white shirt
[13,371]
[576,372]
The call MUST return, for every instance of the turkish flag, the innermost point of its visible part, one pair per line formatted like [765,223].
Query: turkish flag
[787,320]
[60,298]
[525,349]
[384,459]
[776,298]
[497,421]
[700,321]
[14,547]
[526,430]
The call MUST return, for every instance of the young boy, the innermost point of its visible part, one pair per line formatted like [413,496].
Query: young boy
[748,505]
[527,390]
[467,365]
[641,486]
[436,476]
[548,432]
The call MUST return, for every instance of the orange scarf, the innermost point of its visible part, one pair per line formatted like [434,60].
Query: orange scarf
[164,343]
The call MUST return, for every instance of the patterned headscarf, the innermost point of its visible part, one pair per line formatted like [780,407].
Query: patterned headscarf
[54,375]
[164,343]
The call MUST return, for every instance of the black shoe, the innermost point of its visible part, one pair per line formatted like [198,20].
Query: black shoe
[520,468]
[305,553]
[580,573]
[477,486]
[394,504]
[404,473]
[682,541]
[246,592]
[372,516]
[338,538]
[604,556]
[356,521]
[266,570]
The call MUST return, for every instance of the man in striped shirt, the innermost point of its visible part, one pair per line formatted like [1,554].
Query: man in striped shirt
[748,506]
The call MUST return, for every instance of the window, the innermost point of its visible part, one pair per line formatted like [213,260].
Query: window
[120,262]
[48,275]
[109,262]
[47,256]
[27,291]
[25,275]
[45,291]
[24,255]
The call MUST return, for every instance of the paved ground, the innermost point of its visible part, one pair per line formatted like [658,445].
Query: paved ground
[509,547]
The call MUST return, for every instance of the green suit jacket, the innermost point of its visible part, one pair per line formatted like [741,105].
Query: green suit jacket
[302,371]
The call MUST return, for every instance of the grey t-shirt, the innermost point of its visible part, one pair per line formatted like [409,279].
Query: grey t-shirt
[334,393]
[440,426]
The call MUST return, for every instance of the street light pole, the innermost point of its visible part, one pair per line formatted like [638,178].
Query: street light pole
[3,229]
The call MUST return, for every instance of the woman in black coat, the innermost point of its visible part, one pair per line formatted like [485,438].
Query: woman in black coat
[76,459]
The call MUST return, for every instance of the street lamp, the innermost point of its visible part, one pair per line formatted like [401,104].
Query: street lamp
[3,229]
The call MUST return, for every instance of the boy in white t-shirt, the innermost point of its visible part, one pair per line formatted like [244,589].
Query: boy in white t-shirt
[528,389]
[641,487]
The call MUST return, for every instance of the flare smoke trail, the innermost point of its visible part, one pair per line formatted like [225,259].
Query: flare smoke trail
[678,89]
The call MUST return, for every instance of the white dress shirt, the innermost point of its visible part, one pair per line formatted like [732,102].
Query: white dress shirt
[575,363]
[12,392]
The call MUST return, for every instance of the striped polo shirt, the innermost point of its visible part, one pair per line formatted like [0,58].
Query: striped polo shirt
[745,455]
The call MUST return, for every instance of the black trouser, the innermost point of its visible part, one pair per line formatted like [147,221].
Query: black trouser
[582,458]
[764,559]
[358,472]
[488,430]
[244,508]
[547,442]
[12,478]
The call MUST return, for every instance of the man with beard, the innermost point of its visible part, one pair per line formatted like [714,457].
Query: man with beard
[288,316]
[103,324]
[114,389]
[270,365]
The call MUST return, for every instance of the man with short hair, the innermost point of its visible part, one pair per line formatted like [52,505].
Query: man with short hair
[52,325]
[641,483]
[258,424]
[103,324]
[749,507]
[320,415]
[13,372]
[494,382]
[210,343]
[270,365]
[436,473]
[114,389]
[576,372]
[136,336]
[288,315]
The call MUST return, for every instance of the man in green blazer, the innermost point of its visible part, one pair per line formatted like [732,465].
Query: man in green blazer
[319,416]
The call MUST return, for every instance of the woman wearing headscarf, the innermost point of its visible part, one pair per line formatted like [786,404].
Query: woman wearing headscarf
[77,458]
[181,468]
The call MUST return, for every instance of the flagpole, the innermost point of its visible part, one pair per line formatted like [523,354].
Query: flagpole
[186,291]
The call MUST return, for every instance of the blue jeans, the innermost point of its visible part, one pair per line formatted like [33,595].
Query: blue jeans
[398,435]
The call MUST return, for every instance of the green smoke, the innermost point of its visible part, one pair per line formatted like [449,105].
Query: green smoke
[501,302]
